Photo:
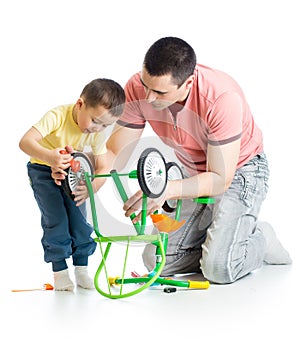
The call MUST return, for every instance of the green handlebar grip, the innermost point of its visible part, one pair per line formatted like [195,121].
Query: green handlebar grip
[205,200]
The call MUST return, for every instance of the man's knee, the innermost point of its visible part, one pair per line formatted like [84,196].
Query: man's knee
[216,270]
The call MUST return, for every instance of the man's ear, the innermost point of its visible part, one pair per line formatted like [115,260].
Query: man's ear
[189,82]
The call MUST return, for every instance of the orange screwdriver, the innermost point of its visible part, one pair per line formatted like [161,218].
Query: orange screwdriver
[46,287]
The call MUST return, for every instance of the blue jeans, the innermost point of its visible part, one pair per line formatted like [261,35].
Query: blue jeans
[66,231]
[222,240]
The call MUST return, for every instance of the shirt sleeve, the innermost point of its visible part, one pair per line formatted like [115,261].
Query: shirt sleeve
[225,119]
[132,116]
[50,122]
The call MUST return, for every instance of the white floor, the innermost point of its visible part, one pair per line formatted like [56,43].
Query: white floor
[262,307]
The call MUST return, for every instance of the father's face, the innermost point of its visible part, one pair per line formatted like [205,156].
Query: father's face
[161,92]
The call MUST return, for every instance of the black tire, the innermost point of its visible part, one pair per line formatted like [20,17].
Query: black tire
[152,173]
[174,172]
[71,181]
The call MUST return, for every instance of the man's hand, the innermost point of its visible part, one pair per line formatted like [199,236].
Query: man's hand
[81,193]
[134,205]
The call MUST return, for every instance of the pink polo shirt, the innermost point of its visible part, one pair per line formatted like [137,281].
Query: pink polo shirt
[215,112]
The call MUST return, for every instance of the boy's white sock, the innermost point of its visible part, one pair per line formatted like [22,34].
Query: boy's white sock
[275,252]
[82,277]
[62,281]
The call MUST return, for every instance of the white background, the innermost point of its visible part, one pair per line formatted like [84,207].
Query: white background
[51,49]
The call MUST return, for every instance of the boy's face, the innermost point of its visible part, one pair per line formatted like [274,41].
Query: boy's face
[92,119]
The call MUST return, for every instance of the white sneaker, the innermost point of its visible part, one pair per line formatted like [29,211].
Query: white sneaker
[275,252]
[82,277]
[62,281]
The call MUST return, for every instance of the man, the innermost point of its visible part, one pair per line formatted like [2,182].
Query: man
[203,115]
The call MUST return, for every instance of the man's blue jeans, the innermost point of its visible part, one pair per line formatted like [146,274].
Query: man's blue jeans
[66,231]
[222,240]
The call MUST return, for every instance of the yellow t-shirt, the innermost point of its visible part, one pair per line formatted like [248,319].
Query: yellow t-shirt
[59,129]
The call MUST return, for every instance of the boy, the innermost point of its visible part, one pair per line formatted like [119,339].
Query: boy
[66,231]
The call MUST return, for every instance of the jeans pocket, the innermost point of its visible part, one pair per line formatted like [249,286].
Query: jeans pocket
[248,188]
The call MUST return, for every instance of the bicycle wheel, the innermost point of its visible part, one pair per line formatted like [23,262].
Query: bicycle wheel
[71,181]
[152,173]
[174,172]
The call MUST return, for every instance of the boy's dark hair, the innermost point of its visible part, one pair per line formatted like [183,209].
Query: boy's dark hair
[105,92]
[171,55]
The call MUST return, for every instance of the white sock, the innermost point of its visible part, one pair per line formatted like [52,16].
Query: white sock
[82,277]
[275,252]
[62,281]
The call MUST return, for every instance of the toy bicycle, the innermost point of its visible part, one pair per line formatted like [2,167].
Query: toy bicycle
[152,174]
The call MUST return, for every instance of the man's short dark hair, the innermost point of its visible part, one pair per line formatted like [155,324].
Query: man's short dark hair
[171,55]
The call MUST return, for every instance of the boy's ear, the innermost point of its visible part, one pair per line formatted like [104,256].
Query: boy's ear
[80,102]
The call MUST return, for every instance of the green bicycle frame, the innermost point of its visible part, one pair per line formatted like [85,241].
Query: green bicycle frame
[160,240]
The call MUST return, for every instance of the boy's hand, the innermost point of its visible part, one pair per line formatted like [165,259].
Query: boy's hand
[60,162]
[58,175]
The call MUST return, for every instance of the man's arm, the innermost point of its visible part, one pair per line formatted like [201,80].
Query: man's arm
[119,148]
[221,166]
[121,144]
[101,164]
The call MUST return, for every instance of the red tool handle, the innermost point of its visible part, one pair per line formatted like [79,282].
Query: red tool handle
[75,165]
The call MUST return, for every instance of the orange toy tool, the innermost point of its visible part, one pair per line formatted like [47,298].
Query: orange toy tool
[75,165]
[46,287]
[164,223]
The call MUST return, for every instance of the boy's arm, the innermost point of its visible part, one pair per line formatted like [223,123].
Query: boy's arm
[29,144]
